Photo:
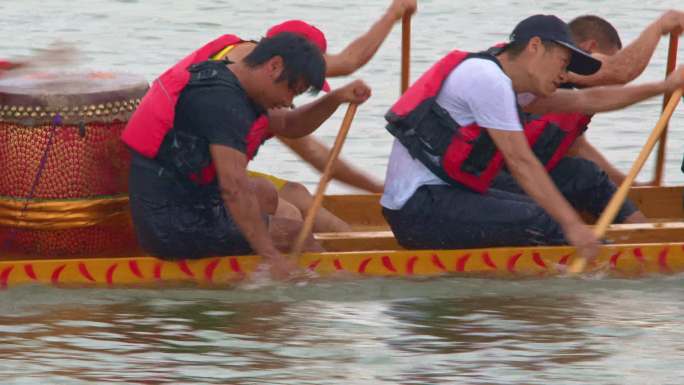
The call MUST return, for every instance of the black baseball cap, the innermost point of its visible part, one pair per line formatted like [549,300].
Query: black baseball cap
[551,28]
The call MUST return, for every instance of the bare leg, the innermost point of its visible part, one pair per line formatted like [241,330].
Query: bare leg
[288,211]
[300,197]
[266,194]
[285,231]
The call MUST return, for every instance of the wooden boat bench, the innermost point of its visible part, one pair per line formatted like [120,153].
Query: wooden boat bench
[660,232]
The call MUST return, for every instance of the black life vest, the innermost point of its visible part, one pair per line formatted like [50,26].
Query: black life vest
[189,153]
[551,135]
[466,155]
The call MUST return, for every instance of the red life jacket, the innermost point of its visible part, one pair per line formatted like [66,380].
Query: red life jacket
[154,117]
[466,155]
[461,155]
[552,135]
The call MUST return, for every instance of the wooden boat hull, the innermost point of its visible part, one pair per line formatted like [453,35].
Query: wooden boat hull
[614,260]
[371,250]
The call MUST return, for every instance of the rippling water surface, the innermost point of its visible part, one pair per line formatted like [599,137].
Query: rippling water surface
[444,331]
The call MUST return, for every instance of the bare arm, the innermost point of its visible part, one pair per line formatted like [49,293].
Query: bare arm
[607,98]
[362,49]
[631,61]
[532,177]
[583,149]
[305,119]
[316,154]
[240,200]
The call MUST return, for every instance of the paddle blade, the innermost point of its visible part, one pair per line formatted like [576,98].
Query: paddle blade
[577,266]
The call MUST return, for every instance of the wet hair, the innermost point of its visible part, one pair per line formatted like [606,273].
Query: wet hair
[589,27]
[516,47]
[302,60]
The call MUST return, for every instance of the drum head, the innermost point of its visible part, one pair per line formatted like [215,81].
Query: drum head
[100,96]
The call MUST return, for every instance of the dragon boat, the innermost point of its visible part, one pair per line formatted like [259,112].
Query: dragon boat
[370,249]
[64,215]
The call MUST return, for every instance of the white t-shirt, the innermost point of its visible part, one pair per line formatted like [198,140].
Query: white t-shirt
[476,91]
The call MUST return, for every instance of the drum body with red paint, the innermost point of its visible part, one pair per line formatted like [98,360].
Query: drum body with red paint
[63,189]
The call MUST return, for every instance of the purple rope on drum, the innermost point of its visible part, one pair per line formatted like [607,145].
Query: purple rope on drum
[56,121]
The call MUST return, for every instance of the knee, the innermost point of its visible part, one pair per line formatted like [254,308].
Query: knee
[581,166]
[288,210]
[284,232]
[586,165]
[584,175]
[266,194]
[295,189]
[297,194]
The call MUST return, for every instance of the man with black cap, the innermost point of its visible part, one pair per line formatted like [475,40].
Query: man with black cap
[581,173]
[458,125]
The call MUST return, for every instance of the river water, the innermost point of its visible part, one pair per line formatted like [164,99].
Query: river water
[379,331]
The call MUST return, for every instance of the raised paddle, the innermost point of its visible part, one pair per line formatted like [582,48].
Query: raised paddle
[671,63]
[57,54]
[616,201]
[405,51]
[323,183]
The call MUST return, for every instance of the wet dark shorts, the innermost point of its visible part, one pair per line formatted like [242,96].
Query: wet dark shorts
[447,217]
[585,185]
[175,221]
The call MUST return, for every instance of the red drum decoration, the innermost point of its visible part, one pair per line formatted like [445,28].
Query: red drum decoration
[63,184]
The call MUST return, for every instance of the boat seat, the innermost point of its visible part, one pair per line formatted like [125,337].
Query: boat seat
[358,240]
[660,232]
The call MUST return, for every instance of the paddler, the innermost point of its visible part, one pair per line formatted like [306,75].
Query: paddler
[581,173]
[194,133]
[295,199]
[459,124]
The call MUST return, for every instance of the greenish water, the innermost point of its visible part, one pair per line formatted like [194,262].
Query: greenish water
[146,37]
[376,331]
[380,331]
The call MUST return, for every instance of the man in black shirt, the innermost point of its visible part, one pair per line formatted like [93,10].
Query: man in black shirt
[194,198]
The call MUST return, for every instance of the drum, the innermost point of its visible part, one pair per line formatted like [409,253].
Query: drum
[63,185]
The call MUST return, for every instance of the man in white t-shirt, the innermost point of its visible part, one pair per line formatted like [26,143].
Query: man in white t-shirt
[481,97]
[581,173]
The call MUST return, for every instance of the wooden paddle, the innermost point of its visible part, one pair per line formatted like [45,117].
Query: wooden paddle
[405,51]
[323,183]
[671,63]
[616,201]
[57,54]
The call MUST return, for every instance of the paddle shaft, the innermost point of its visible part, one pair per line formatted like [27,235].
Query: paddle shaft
[671,63]
[405,51]
[323,183]
[616,201]
[620,195]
